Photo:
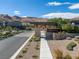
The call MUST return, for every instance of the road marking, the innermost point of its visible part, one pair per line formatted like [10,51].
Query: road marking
[18,51]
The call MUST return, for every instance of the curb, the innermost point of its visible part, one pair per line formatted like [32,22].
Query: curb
[18,51]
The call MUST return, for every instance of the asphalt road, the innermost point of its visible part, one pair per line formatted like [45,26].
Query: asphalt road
[10,45]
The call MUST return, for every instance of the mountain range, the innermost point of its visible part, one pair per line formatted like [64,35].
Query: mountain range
[6,17]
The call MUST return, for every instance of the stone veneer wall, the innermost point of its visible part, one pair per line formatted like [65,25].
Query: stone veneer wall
[37,32]
[59,36]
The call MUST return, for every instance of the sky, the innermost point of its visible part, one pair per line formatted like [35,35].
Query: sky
[41,8]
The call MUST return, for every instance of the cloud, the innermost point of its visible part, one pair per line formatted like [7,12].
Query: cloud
[74,6]
[17,12]
[24,16]
[57,3]
[67,15]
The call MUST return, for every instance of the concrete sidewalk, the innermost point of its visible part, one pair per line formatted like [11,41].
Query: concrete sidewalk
[45,52]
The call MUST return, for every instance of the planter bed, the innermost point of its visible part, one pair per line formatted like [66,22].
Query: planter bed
[31,50]
[60,50]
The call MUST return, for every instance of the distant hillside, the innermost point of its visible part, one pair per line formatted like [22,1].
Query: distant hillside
[76,18]
[6,17]
[33,19]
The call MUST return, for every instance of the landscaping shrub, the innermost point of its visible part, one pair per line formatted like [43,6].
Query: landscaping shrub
[77,57]
[30,41]
[77,37]
[77,40]
[28,44]
[71,45]
[20,56]
[24,51]
[26,48]
[58,54]
[35,56]
[35,38]
[68,57]
[37,48]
